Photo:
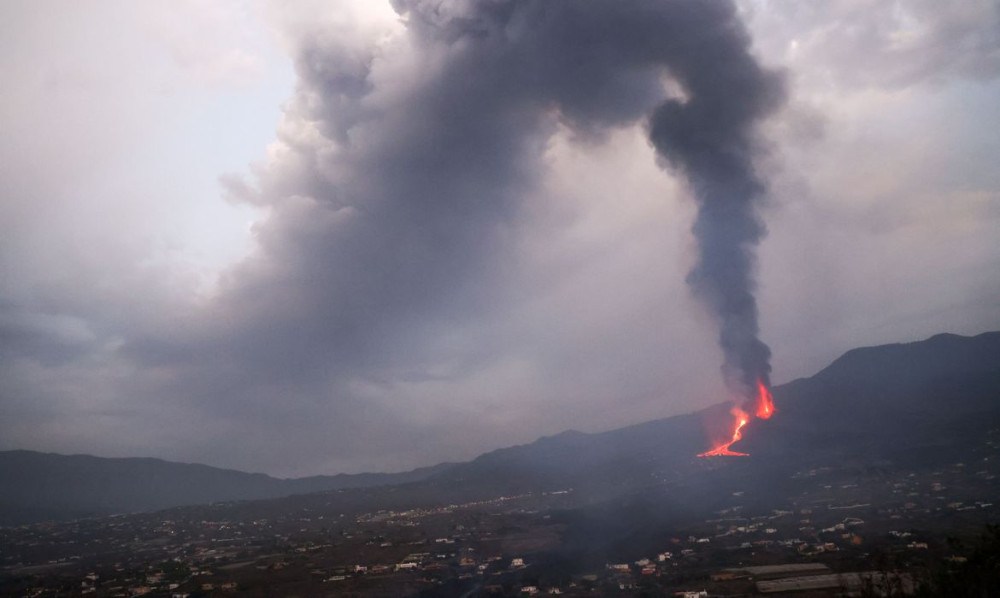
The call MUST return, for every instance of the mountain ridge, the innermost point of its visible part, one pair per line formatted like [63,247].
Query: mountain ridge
[38,485]
[870,401]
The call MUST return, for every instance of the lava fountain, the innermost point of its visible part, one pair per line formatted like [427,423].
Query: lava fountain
[762,407]
[765,402]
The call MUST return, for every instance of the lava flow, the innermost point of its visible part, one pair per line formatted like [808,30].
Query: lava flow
[742,418]
[763,408]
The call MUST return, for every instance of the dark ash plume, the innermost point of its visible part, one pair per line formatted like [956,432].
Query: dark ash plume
[404,167]
[399,230]
[710,136]
[602,64]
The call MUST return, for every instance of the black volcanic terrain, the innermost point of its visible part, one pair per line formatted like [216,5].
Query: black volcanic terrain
[882,456]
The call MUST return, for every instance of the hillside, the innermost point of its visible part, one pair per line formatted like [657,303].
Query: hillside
[888,400]
[37,486]
[915,402]
[901,401]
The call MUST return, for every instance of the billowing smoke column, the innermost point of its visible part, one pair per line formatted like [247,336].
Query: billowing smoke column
[709,135]
[604,63]
[404,165]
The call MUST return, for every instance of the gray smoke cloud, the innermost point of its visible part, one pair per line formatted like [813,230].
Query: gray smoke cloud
[710,136]
[398,221]
[602,63]
[394,203]
[397,218]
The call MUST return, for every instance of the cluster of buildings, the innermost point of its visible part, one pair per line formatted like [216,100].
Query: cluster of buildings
[821,539]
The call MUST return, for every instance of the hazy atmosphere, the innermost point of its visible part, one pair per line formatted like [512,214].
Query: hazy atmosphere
[321,237]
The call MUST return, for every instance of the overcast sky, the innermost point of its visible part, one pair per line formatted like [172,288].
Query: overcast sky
[321,237]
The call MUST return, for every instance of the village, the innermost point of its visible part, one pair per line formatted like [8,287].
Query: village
[835,537]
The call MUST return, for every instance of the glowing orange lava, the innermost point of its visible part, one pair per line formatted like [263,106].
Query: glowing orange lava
[742,418]
[763,408]
[765,403]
